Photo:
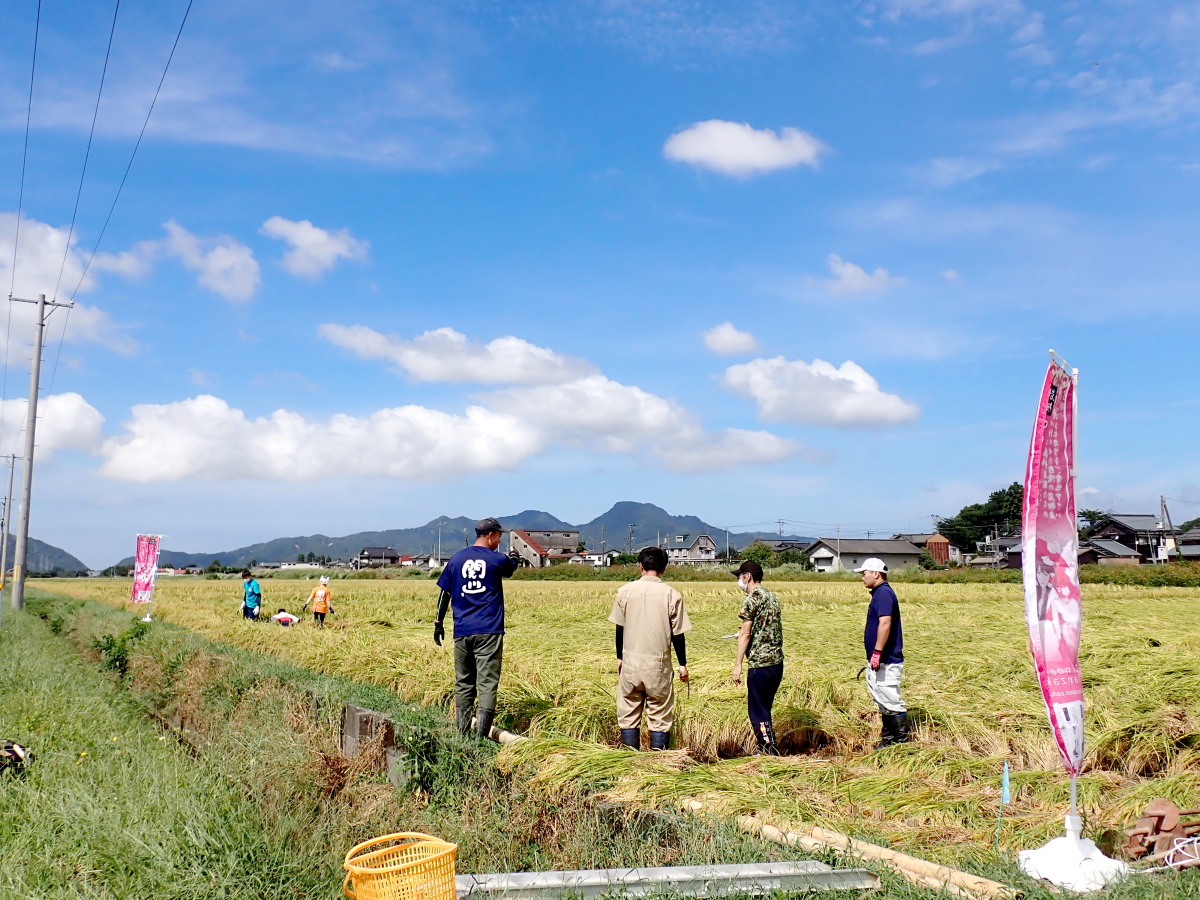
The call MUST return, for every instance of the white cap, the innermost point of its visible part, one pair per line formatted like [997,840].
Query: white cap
[874,564]
[324,579]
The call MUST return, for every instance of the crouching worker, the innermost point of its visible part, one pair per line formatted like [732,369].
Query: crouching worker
[472,586]
[883,640]
[760,644]
[284,618]
[650,620]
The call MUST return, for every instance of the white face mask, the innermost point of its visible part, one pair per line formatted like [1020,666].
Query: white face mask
[744,583]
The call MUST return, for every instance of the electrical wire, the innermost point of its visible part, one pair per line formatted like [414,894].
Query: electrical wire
[121,186]
[88,152]
[37,29]
[136,145]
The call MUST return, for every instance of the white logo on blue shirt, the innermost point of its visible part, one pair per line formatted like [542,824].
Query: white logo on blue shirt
[473,571]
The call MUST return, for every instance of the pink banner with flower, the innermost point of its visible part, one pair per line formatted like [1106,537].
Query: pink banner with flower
[1050,563]
[145,567]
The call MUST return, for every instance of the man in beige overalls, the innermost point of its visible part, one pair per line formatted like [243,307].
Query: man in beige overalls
[650,619]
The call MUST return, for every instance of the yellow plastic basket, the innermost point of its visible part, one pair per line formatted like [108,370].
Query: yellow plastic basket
[406,866]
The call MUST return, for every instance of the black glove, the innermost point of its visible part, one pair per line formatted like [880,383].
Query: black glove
[514,556]
[439,632]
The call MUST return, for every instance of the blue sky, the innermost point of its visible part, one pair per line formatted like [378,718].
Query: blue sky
[377,263]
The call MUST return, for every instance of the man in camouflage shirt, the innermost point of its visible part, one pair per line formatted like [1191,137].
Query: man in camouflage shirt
[760,644]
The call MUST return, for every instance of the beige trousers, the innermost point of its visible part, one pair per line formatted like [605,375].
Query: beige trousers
[649,684]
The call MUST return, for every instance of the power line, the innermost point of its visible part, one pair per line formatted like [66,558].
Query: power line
[120,187]
[88,152]
[37,30]
[136,145]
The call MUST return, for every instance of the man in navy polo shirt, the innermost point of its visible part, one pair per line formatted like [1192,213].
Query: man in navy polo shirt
[883,640]
[472,586]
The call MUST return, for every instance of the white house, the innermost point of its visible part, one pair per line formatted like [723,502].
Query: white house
[594,559]
[847,554]
[543,548]
[681,551]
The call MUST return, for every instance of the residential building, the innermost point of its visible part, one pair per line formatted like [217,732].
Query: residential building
[684,550]
[1146,534]
[1188,544]
[778,545]
[831,554]
[543,548]
[938,545]
[595,560]
[997,551]
[376,557]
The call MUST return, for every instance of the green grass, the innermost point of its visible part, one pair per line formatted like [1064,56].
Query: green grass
[112,808]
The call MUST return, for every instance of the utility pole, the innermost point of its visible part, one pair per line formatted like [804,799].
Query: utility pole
[1170,536]
[781,528]
[35,374]
[12,465]
[839,546]
[726,545]
[602,541]
[631,538]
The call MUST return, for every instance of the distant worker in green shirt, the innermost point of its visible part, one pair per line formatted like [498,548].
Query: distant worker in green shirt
[760,645]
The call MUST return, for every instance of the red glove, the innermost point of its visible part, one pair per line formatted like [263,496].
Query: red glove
[875,660]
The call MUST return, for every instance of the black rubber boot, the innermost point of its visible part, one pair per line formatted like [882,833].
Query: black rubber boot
[632,738]
[464,717]
[887,734]
[659,740]
[483,724]
[767,744]
[899,727]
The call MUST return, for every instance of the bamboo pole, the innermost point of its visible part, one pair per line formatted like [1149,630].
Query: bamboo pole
[917,871]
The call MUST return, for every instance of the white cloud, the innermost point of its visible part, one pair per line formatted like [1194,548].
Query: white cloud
[737,149]
[726,339]
[42,254]
[598,413]
[817,393]
[849,278]
[65,422]
[446,355]
[947,172]
[314,250]
[951,275]
[204,438]
[226,266]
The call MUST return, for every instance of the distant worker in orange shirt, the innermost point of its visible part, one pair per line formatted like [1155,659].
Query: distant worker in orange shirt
[322,600]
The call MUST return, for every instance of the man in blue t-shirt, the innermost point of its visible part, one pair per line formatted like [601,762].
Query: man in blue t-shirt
[472,585]
[883,640]
[253,597]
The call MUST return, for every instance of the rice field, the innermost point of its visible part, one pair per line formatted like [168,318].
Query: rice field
[969,684]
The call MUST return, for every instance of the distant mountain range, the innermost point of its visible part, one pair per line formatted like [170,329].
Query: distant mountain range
[612,528]
[43,557]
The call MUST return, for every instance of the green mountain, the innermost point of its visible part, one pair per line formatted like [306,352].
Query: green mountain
[43,557]
[612,527]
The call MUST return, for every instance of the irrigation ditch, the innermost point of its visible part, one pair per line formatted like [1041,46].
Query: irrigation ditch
[329,762]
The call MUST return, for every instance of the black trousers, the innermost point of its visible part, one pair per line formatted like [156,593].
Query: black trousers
[762,684]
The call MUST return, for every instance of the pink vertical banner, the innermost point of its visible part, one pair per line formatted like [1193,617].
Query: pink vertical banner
[1050,563]
[145,567]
